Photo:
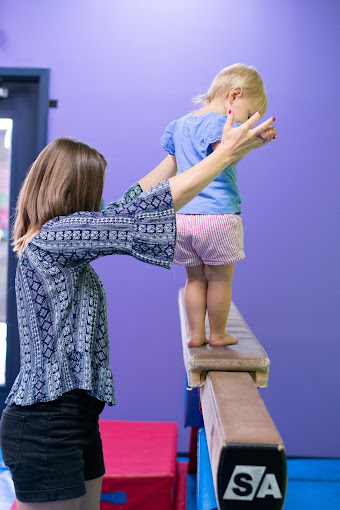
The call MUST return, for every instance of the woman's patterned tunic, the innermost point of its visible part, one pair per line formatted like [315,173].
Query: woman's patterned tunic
[61,302]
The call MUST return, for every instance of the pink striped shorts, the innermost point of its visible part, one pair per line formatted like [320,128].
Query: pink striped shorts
[211,239]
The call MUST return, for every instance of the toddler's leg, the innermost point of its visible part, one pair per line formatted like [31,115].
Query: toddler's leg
[219,280]
[195,298]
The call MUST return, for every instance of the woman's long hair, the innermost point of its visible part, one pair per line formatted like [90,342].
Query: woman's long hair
[67,176]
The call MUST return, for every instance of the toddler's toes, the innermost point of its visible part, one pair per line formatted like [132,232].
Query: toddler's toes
[225,339]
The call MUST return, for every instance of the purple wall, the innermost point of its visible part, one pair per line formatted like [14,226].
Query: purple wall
[121,71]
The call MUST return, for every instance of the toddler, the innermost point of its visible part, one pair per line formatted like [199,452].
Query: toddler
[209,228]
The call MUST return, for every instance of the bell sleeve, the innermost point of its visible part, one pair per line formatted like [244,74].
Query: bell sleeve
[141,224]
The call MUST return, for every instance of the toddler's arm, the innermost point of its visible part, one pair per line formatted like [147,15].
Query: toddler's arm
[166,169]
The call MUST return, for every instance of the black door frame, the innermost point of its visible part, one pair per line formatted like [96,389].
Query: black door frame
[40,76]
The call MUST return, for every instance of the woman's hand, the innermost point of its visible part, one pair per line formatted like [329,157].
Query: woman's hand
[267,135]
[235,144]
[241,140]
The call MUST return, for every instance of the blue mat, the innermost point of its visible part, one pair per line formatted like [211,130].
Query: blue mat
[313,484]
[317,470]
[7,494]
[205,493]
[300,494]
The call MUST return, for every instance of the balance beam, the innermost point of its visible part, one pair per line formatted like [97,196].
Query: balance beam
[246,356]
[246,451]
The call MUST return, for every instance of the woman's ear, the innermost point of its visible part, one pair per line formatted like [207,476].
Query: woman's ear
[234,94]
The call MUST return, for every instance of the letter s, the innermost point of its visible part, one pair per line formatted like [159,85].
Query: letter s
[240,481]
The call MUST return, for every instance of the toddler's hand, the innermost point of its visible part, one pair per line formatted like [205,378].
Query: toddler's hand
[268,135]
[237,142]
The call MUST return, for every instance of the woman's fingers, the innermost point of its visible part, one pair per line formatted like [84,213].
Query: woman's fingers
[237,142]
[249,124]
[262,127]
[252,121]
[229,123]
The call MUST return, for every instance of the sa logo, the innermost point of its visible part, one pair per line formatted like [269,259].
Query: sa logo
[245,482]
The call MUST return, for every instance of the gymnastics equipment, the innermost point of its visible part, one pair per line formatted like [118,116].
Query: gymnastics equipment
[246,451]
[141,468]
[205,486]
[247,356]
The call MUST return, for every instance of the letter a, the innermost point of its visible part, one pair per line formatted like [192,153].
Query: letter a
[269,487]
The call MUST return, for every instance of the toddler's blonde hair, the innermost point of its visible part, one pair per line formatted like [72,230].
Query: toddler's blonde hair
[237,75]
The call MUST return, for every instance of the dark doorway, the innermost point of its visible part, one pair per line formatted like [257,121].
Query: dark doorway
[23,134]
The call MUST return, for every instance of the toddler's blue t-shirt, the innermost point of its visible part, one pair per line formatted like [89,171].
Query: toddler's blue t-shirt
[190,139]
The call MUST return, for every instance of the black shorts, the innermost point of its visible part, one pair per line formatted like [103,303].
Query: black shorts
[52,448]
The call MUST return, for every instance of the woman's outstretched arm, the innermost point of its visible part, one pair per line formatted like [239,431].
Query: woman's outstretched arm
[235,144]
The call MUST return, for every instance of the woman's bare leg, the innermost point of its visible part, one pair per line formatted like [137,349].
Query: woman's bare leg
[195,297]
[66,504]
[219,280]
[91,500]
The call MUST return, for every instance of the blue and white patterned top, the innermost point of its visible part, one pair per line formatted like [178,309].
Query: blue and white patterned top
[61,302]
[190,139]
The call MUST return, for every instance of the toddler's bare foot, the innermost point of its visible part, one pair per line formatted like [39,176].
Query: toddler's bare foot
[196,341]
[225,339]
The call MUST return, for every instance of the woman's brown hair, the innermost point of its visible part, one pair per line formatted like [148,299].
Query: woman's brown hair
[67,176]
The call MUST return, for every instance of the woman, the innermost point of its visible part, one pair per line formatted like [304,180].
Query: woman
[49,430]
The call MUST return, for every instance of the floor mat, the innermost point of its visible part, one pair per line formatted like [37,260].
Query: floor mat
[7,494]
[312,484]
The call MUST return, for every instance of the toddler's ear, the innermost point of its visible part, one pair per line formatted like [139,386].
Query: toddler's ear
[235,93]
